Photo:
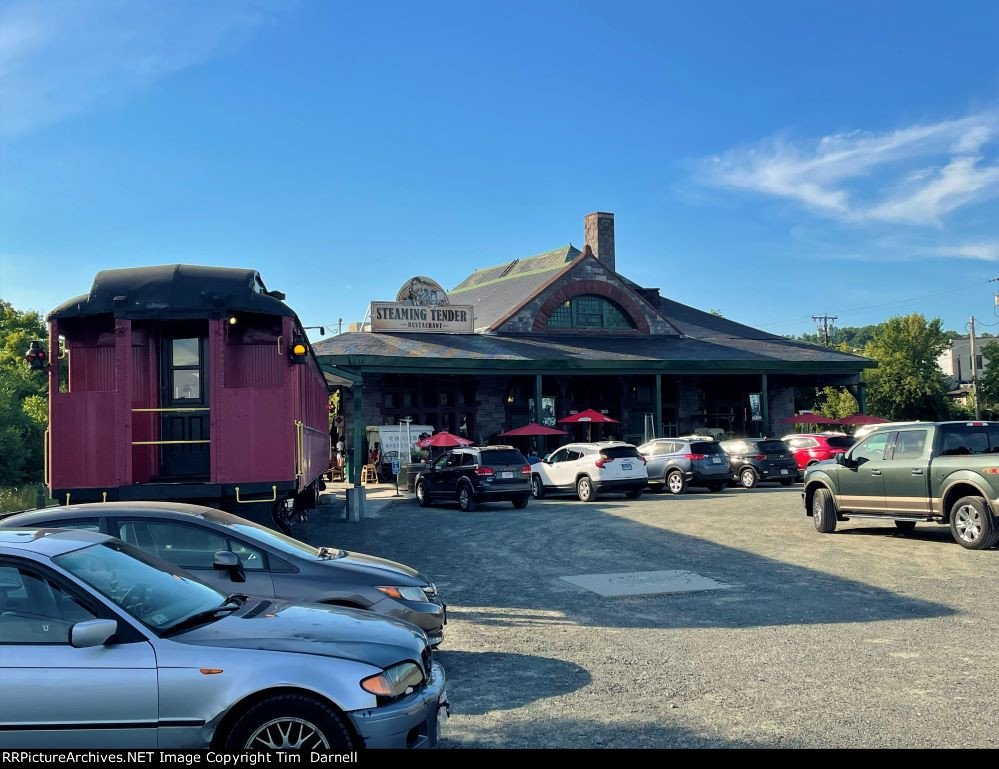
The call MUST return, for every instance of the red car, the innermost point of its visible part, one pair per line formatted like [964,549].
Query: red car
[809,448]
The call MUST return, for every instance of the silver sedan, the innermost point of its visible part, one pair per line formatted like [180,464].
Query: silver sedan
[103,646]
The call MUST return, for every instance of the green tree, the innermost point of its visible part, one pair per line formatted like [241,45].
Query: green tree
[836,402]
[988,382]
[23,398]
[907,384]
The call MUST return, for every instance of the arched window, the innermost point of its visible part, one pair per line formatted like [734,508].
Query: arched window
[590,311]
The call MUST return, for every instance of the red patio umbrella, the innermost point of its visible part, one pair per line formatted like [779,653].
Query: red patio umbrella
[587,417]
[862,419]
[810,419]
[532,429]
[443,440]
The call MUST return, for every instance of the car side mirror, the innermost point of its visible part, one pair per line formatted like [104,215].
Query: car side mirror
[94,632]
[228,561]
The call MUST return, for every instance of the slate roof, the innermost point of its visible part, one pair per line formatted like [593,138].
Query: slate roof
[513,351]
[494,291]
[708,342]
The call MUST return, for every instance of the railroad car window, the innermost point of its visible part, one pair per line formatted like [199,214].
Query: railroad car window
[185,352]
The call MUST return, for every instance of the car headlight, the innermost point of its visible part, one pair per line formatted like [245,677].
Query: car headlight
[404,593]
[394,681]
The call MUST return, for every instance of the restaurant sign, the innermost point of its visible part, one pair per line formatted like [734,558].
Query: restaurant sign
[399,317]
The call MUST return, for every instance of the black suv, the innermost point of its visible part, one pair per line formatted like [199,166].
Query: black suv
[476,474]
[760,459]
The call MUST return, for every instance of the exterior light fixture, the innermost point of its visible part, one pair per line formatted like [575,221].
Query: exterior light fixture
[233,320]
[36,356]
[298,350]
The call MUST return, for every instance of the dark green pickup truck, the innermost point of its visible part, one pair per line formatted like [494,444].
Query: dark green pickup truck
[938,472]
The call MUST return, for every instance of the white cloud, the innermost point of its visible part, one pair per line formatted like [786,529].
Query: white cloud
[62,57]
[985,252]
[864,176]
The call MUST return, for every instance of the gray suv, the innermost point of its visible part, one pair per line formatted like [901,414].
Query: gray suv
[233,554]
[676,463]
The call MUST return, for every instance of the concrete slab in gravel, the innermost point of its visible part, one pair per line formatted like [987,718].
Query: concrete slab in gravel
[645,583]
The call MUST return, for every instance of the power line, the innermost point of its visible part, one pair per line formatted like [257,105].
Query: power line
[824,328]
[800,318]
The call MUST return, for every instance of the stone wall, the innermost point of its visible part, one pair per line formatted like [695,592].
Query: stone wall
[589,270]
[781,404]
[490,397]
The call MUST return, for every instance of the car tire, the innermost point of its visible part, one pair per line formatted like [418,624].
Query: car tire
[259,727]
[748,478]
[788,482]
[422,495]
[716,487]
[521,502]
[823,512]
[634,493]
[905,527]
[584,489]
[537,487]
[466,499]
[972,524]
[675,483]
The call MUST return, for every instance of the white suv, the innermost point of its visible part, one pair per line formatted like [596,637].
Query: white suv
[588,469]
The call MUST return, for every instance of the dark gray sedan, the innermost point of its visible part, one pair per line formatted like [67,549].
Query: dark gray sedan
[236,555]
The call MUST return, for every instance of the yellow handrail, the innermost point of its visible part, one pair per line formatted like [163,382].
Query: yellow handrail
[45,461]
[186,408]
[299,449]
[255,501]
[165,443]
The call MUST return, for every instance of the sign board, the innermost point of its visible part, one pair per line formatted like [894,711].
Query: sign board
[391,437]
[754,407]
[396,465]
[547,410]
[416,319]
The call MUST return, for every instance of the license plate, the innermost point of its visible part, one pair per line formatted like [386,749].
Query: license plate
[715,460]
[506,475]
[625,467]
[783,472]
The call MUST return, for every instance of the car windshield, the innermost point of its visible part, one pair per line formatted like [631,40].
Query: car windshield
[619,452]
[150,590]
[841,441]
[771,447]
[706,448]
[277,540]
[505,457]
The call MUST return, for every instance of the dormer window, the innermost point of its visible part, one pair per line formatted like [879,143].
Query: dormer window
[590,311]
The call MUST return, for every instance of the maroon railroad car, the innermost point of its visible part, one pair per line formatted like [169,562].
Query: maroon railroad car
[189,384]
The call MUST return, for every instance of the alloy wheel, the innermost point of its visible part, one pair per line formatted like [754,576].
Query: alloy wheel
[287,734]
[675,483]
[747,479]
[968,522]
[463,499]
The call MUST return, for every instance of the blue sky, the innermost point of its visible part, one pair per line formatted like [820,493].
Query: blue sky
[773,160]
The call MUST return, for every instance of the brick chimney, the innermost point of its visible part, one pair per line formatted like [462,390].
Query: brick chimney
[598,232]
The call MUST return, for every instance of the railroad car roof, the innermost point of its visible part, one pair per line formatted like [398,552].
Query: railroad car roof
[173,291]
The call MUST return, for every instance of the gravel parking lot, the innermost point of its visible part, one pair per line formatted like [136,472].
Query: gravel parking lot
[863,638]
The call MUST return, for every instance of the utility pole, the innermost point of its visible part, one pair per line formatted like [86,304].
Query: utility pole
[824,328]
[974,369]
